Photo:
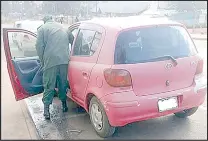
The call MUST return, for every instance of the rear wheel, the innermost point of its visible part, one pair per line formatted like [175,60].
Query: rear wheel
[186,113]
[99,119]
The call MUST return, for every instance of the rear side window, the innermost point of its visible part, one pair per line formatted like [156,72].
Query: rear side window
[95,42]
[144,44]
[86,43]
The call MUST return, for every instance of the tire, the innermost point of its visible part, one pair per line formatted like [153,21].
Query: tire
[186,113]
[107,130]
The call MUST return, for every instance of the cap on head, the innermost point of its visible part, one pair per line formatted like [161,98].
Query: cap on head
[46,18]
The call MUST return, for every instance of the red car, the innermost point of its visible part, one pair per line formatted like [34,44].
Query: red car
[122,70]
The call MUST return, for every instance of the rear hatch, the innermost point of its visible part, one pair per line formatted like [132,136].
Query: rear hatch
[158,58]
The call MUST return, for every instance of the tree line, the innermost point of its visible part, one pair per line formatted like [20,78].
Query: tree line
[31,8]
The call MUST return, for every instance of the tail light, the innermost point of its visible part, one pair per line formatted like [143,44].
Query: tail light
[118,77]
[200,79]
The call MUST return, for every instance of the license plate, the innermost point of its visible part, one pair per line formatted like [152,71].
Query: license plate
[167,104]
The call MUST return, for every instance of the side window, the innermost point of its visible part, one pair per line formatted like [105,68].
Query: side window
[95,42]
[22,44]
[72,37]
[74,32]
[83,43]
[16,26]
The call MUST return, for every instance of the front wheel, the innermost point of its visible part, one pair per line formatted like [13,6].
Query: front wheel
[99,119]
[186,113]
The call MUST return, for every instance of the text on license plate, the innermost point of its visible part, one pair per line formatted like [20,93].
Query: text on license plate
[167,104]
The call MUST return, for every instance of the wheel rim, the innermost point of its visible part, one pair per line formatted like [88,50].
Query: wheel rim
[96,116]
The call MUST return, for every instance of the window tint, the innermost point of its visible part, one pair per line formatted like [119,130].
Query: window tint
[86,42]
[144,44]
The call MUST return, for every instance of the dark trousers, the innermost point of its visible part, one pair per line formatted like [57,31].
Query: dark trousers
[51,77]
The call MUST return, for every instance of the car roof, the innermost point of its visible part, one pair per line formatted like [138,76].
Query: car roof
[121,23]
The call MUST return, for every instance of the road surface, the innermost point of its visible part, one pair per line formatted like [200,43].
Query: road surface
[76,125]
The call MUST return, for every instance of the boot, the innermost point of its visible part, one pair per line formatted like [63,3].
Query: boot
[64,106]
[56,93]
[46,112]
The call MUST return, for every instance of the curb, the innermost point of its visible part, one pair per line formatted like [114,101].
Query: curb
[36,131]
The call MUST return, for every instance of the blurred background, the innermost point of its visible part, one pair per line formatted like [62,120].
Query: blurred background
[191,13]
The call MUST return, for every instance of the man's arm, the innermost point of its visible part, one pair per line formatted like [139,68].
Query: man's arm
[71,37]
[40,46]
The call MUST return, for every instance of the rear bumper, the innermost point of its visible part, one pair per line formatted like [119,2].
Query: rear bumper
[125,107]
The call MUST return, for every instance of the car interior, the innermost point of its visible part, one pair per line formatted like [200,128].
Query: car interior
[30,74]
[28,68]
[27,65]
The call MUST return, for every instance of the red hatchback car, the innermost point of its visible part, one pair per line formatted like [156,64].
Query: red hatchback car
[121,70]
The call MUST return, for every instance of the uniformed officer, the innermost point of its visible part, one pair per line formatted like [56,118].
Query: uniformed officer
[52,47]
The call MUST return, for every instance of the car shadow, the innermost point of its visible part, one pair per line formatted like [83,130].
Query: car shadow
[75,124]
[167,127]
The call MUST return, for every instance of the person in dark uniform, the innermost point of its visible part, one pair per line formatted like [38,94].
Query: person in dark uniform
[52,47]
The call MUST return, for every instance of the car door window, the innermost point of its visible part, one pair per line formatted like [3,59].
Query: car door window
[74,33]
[95,43]
[22,44]
[86,42]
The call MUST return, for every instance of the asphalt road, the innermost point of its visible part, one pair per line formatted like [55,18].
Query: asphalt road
[76,125]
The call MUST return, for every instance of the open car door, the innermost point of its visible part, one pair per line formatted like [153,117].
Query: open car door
[23,64]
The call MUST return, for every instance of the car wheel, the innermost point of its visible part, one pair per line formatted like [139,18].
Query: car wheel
[186,113]
[99,119]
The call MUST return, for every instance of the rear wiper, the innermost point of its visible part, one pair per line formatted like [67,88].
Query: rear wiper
[167,56]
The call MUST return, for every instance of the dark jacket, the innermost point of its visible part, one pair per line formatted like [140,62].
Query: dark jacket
[52,45]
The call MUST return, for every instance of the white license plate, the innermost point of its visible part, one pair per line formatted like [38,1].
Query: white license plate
[167,104]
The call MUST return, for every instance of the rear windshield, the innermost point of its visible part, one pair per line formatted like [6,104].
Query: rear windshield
[144,44]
